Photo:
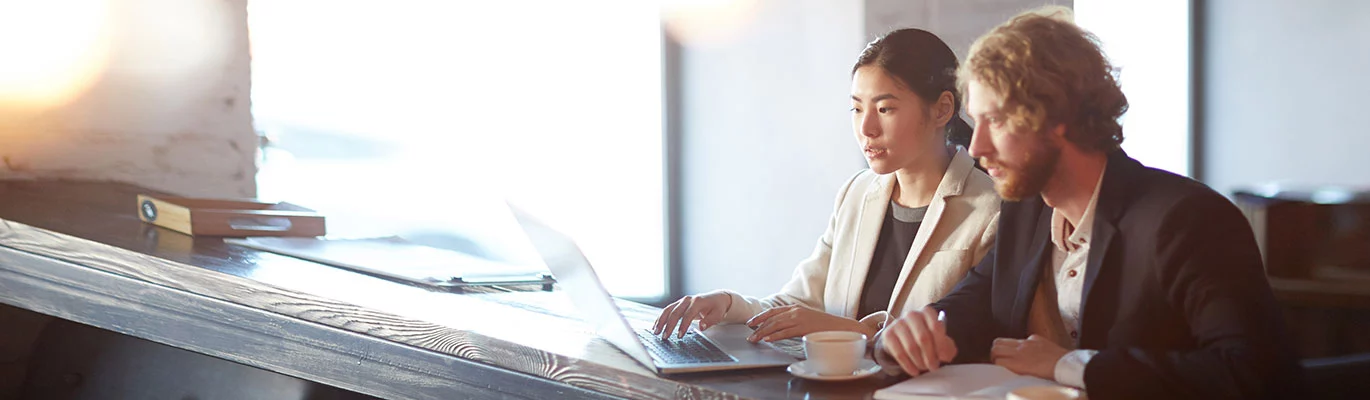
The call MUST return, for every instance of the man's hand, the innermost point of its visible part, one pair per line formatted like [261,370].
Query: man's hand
[1034,356]
[795,320]
[918,341]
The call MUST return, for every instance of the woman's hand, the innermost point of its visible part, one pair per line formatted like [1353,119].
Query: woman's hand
[796,320]
[708,308]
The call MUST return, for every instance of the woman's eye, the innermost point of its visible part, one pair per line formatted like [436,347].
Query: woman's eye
[884,110]
[855,110]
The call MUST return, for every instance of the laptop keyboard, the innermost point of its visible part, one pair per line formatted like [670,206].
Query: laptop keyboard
[691,349]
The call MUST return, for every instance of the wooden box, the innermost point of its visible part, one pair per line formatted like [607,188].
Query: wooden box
[1305,239]
[218,217]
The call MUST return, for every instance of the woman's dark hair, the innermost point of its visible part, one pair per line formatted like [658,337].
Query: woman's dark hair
[923,64]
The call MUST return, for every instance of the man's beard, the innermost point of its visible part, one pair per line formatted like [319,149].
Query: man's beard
[1027,179]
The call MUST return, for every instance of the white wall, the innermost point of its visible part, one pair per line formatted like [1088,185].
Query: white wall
[957,22]
[1285,86]
[766,142]
[168,109]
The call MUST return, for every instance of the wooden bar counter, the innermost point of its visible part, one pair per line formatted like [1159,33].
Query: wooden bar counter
[77,251]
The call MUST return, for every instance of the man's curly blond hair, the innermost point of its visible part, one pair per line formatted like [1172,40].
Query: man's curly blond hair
[1050,71]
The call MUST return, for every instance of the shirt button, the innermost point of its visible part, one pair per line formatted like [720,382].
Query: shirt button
[1072,273]
[1074,335]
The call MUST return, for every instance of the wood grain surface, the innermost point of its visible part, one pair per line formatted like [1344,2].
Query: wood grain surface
[77,250]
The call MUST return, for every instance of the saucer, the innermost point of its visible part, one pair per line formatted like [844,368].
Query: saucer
[1045,392]
[865,368]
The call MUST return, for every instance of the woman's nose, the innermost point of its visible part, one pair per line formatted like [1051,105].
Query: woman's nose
[870,125]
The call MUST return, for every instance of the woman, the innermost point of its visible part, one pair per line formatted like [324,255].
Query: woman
[903,232]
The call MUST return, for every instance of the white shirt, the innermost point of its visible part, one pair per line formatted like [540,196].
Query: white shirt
[1069,259]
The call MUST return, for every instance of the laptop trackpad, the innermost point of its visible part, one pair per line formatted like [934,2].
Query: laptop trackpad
[732,338]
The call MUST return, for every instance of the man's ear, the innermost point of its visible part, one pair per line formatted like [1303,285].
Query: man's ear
[1058,133]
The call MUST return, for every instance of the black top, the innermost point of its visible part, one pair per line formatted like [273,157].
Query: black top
[1175,299]
[896,236]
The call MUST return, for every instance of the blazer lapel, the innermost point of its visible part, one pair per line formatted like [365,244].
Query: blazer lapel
[1030,272]
[1104,231]
[872,218]
[1112,196]
[952,184]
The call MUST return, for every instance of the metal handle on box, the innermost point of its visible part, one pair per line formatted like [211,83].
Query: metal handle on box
[267,224]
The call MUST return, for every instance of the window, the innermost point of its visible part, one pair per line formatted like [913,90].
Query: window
[1149,43]
[413,116]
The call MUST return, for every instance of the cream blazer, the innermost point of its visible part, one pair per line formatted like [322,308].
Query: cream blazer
[956,232]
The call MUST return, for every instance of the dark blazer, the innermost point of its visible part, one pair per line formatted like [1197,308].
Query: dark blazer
[1175,296]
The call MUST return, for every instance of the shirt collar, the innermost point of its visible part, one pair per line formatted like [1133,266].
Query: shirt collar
[1066,237]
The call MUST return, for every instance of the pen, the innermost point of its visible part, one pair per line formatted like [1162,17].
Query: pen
[942,319]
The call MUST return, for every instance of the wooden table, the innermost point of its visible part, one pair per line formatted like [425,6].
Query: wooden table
[1348,294]
[76,250]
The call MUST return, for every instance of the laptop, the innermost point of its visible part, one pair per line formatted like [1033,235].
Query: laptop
[722,347]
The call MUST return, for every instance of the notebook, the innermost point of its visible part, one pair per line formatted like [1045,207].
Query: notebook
[962,381]
[397,258]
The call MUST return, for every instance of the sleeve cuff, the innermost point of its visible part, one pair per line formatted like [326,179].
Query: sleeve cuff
[744,308]
[1070,369]
[876,322]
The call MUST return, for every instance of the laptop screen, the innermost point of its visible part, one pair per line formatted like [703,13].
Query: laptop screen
[577,278]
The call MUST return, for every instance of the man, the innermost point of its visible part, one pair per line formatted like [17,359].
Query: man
[1126,281]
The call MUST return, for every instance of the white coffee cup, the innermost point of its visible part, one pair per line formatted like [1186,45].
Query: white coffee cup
[1045,393]
[834,352]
